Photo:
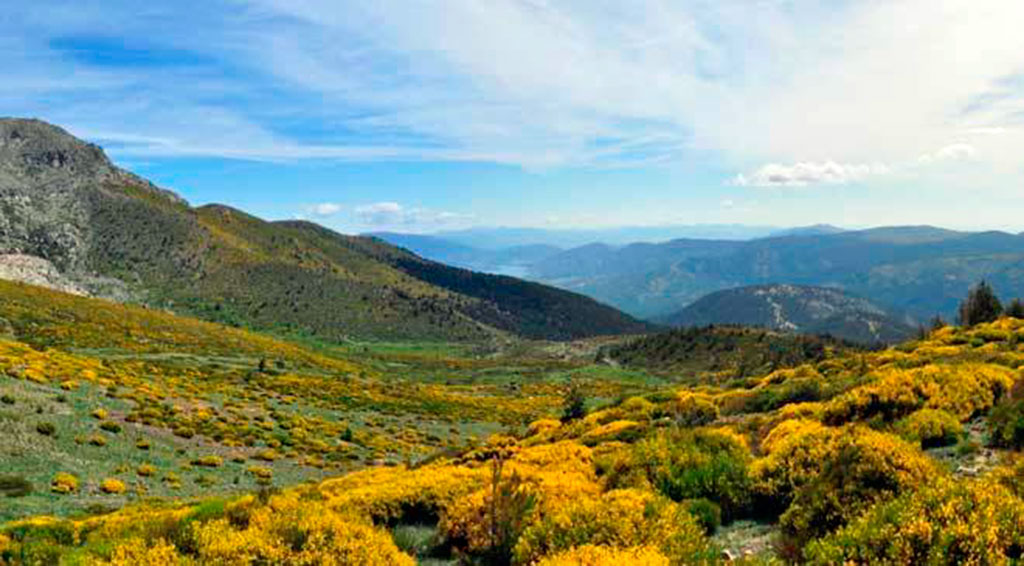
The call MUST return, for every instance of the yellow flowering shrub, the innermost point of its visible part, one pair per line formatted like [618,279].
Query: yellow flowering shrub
[387,494]
[209,461]
[543,427]
[621,518]
[947,523]
[552,474]
[962,390]
[593,555]
[113,486]
[615,430]
[290,531]
[930,428]
[638,408]
[135,552]
[822,477]
[693,409]
[64,483]
[688,464]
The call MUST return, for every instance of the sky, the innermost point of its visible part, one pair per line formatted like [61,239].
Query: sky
[419,116]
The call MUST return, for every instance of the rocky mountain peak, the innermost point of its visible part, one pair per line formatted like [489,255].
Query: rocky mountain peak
[33,149]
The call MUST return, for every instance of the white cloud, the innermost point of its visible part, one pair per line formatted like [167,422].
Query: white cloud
[381,213]
[393,214]
[533,83]
[808,173]
[575,82]
[325,209]
[952,152]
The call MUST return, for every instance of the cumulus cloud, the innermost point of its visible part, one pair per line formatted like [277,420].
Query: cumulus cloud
[382,214]
[808,173]
[325,209]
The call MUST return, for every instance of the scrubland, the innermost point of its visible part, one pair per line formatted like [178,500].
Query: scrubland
[132,436]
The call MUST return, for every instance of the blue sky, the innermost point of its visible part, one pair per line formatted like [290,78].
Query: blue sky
[419,116]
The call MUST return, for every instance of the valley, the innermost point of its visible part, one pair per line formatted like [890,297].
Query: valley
[195,385]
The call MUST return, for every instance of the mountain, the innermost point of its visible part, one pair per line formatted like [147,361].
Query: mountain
[814,230]
[799,309]
[505,237]
[513,260]
[114,234]
[918,269]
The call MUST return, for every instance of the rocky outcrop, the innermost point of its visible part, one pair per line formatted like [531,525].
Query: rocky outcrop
[37,271]
[52,186]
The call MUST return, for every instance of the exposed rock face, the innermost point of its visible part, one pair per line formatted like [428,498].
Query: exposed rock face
[52,185]
[36,271]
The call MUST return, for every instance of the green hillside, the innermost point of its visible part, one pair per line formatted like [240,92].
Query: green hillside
[710,354]
[109,228]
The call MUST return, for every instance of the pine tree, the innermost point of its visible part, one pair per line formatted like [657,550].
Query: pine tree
[981,305]
[1015,309]
[574,405]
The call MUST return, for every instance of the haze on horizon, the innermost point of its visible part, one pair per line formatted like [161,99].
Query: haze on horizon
[429,116]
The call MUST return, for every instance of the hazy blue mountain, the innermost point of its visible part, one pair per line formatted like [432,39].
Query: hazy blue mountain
[800,309]
[814,230]
[513,260]
[497,238]
[921,269]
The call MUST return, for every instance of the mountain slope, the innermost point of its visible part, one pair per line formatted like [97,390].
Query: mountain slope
[710,352]
[919,269]
[801,309]
[62,200]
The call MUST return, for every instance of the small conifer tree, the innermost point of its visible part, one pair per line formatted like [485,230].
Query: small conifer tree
[981,305]
[1015,309]
[574,405]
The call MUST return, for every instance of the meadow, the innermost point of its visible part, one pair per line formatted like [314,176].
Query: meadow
[134,436]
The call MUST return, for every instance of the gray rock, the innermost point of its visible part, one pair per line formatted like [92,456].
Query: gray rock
[51,187]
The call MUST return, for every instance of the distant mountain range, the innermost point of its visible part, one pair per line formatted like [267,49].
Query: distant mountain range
[798,309]
[503,237]
[919,270]
[110,233]
[514,260]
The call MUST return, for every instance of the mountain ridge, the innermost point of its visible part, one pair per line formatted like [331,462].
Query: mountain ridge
[64,201]
[798,309]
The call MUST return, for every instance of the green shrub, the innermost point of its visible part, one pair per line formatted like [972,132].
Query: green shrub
[6,399]
[859,468]
[111,427]
[574,403]
[692,410]
[14,486]
[707,513]
[947,523]
[686,464]
[1006,424]
[46,429]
